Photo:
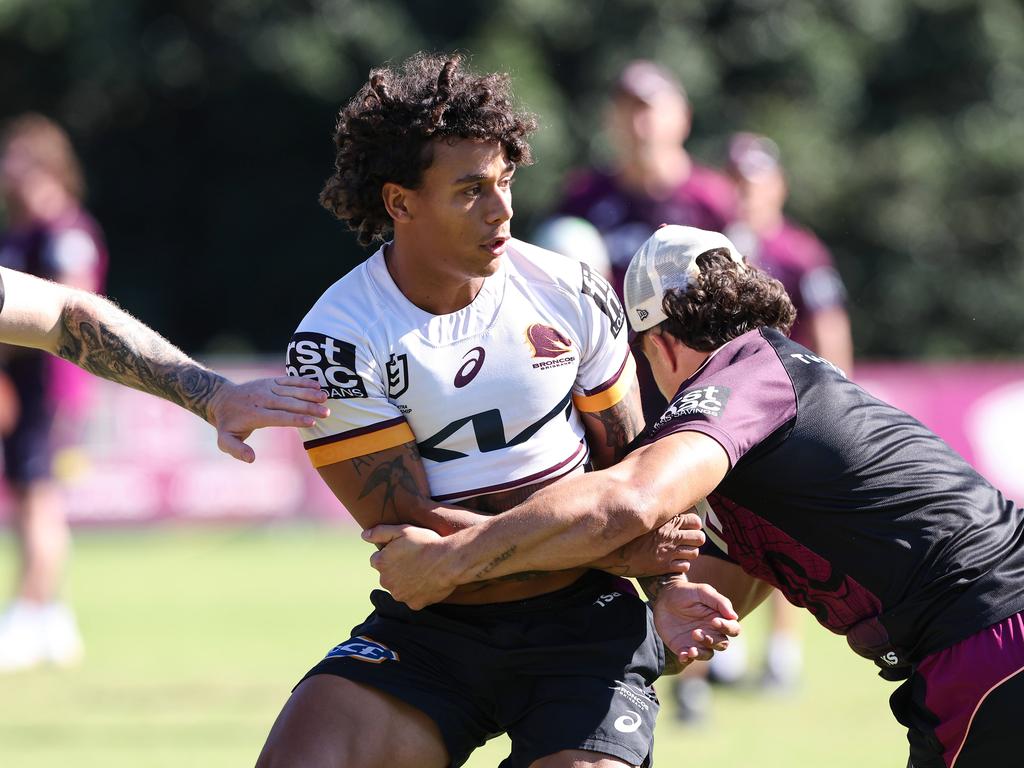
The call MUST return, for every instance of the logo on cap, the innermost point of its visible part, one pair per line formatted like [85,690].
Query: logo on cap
[642,314]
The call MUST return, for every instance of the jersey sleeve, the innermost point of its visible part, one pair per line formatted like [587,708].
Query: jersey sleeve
[606,368]
[738,405]
[362,419]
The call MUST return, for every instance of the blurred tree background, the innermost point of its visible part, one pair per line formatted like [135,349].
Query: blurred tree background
[205,131]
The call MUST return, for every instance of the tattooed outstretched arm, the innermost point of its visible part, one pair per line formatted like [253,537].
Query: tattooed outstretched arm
[96,335]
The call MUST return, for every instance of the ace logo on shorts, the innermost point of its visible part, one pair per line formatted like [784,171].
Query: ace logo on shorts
[331,362]
[363,648]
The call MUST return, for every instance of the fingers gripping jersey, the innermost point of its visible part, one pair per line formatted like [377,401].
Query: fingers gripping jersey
[491,394]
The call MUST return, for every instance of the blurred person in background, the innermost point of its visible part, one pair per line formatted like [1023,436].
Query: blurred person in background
[787,252]
[800,261]
[576,238]
[652,180]
[49,234]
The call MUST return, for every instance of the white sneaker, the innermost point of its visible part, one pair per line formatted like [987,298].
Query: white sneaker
[62,642]
[21,637]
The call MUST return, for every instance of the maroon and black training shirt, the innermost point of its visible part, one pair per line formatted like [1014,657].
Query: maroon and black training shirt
[848,505]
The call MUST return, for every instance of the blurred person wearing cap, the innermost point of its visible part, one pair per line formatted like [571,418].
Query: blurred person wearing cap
[787,252]
[849,506]
[50,235]
[652,179]
[803,265]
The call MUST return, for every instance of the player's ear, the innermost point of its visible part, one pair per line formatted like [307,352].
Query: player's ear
[396,200]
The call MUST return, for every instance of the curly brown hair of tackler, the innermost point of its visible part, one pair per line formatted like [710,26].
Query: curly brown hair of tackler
[386,132]
[725,301]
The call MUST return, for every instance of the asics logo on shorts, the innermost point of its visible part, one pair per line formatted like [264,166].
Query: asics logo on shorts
[628,723]
[364,649]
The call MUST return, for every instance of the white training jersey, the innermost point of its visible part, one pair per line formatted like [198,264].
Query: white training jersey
[491,394]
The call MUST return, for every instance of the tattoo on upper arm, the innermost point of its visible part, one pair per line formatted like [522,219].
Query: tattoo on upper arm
[620,426]
[393,476]
[115,346]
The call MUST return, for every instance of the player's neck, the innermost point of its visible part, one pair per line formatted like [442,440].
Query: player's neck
[428,288]
[657,176]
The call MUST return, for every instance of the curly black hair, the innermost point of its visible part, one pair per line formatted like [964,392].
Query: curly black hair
[385,133]
[725,301]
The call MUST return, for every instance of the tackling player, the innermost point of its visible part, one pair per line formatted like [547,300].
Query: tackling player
[463,365]
[850,507]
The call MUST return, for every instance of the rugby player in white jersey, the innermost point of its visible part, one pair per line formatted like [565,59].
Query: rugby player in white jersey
[94,334]
[463,365]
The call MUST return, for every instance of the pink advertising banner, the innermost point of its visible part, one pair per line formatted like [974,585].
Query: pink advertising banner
[141,459]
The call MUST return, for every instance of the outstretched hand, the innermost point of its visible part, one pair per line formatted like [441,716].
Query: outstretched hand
[694,620]
[410,564]
[286,401]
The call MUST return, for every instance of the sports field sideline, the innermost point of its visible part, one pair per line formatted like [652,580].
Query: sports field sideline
[195,635]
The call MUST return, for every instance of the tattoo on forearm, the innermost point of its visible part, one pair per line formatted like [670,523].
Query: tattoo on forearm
[110,343]
[495,562]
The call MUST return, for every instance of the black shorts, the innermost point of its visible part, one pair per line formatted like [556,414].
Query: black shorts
[962,704]
[28,450]
[572,669]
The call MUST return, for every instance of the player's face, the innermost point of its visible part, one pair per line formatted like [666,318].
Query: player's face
[461,211]
[646,127]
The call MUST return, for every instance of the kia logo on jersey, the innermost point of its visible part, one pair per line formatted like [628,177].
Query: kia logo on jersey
[547,342]
[474,362]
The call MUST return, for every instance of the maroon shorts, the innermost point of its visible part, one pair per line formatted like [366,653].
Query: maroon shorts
[962,705]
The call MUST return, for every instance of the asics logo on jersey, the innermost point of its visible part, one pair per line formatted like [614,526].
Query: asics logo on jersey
[474,362]
[547,342]
[709,401]
[331,362]
[364,649]
[398,375]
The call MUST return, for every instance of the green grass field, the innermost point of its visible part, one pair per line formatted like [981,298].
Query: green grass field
[195,636]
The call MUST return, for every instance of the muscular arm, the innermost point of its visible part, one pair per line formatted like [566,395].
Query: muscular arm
[610,431]
[94,334]
[570,523]
[390,486]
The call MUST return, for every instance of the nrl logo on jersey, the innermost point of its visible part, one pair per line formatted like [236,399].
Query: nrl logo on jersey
[326,360]
[398,375]
[546,342]
[709,401]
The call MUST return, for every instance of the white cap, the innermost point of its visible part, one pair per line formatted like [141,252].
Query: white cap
[667,260]
[576,238]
